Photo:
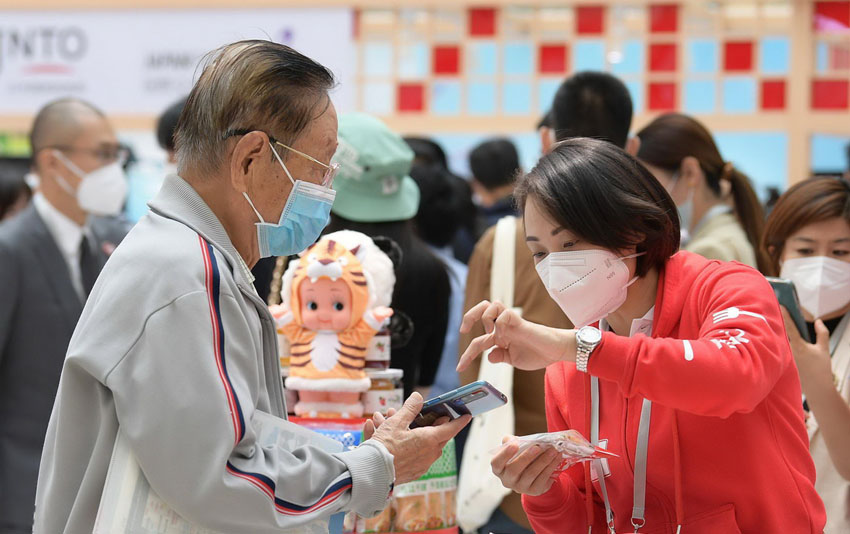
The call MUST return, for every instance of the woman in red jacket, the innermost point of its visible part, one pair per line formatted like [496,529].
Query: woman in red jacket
[680,365]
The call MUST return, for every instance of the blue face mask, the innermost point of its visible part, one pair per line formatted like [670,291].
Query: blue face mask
[307,212]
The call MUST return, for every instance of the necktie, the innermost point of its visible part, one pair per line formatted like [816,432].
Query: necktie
[89,265]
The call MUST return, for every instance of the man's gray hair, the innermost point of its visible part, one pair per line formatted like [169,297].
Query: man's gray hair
[244,86]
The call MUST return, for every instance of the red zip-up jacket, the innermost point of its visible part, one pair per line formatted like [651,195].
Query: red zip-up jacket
[728,450]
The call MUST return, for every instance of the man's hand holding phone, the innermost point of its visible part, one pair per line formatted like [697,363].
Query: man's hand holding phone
[413,450]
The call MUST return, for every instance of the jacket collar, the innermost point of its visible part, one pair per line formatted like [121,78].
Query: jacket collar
[177,200]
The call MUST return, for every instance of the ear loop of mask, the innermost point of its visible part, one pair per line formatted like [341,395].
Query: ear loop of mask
[71,166]
[245,193]
[635,255]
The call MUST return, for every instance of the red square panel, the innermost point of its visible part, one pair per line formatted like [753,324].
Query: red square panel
[553,59]
[830,94]
[839,57]
[662,57]
[482,21]
[738,56]
[590,19]
[411,97]
[663,18]
[832,16]
[662,96]
[773,94]
[446,59]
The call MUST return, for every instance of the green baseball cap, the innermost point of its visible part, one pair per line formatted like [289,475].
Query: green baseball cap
[373,182]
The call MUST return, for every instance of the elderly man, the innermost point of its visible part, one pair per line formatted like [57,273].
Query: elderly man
[50,255]
[176,350]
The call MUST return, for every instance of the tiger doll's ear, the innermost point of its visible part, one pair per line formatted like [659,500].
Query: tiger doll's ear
[391,249]
[359,253]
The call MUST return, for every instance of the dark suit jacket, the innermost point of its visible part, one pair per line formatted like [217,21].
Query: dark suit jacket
[39,309]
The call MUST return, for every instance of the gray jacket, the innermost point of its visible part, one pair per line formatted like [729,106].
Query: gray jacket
[39,309]
[176,348]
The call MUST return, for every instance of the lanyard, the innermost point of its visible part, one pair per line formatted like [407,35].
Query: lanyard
[641,451]
[642,325]
[838,334]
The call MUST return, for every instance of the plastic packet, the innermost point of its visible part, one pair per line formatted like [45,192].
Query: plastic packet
[574,448]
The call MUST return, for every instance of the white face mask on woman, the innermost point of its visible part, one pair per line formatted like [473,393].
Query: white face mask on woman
[822,283]
[586,284]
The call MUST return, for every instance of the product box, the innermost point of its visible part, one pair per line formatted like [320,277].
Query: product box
[425,506]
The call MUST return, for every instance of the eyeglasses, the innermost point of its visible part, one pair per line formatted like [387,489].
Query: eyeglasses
[105,154]
[330,170]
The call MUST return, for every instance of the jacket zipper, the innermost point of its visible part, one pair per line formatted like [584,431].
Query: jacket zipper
[272,368]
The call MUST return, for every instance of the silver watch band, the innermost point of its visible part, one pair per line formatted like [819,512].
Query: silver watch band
[582,356]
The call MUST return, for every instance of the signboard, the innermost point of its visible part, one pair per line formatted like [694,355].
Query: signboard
[140,61]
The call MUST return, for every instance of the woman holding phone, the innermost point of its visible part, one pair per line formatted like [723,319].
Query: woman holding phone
[808,241]
[679,365]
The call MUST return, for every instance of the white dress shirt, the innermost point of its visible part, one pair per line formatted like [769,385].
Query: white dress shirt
[68,236]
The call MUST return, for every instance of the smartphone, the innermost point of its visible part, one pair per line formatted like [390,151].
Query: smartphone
[786,293]
[471,399]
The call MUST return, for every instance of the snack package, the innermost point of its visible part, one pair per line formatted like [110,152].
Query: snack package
[349,432]
[427,505]
[574,448]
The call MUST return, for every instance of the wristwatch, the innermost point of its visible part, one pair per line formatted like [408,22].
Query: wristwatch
[587,338]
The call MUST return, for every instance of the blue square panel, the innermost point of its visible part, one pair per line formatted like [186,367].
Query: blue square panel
[516,98]
[755,154]
[700,96]
[413,61]
[483,58]
[630,59]
[702,56]
[589,54]
[378,59]
[822,57]
[445,98]
[739,95]
[775,55]
[519,58]
[636,92]
[378,98]
[828,153]
[481,99]
[546,90]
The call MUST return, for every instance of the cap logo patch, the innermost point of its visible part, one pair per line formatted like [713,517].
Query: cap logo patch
[389,185]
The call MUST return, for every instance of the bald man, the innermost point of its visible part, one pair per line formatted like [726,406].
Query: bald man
[50,255]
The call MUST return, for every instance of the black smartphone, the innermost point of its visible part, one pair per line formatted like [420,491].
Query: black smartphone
[786,293]
[471,399]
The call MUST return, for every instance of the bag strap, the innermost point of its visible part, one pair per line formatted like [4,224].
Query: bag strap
[502,270]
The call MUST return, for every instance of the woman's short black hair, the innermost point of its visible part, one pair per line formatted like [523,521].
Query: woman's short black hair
[606,197]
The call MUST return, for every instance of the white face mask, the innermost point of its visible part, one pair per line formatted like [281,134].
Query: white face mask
[101,191]
[586,284]
[823,284]
[685,210]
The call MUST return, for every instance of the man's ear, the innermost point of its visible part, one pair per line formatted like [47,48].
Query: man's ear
[633,145]
[246,158]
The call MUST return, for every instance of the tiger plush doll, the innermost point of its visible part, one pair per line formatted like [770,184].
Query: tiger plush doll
[329,326]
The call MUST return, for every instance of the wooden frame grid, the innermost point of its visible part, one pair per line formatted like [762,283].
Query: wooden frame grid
[798,119]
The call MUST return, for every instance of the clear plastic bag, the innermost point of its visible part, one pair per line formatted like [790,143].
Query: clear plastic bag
[574,448]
